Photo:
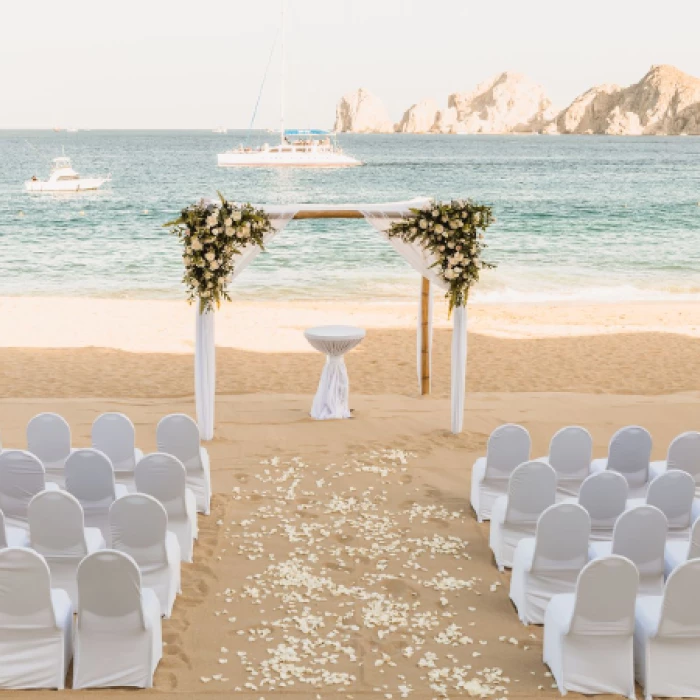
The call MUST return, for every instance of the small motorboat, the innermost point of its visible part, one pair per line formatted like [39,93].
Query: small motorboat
[64,179]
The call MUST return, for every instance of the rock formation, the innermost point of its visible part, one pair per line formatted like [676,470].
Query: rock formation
[361,112]
[508,103]
[419,118]
[664,101]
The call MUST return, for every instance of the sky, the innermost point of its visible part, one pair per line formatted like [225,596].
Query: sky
[168,64]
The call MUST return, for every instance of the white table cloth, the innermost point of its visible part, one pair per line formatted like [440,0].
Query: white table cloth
[331,400]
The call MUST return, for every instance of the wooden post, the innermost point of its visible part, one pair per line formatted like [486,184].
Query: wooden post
[425,338]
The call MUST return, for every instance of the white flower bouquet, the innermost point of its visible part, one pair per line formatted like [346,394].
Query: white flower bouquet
[453,233]
[212,235]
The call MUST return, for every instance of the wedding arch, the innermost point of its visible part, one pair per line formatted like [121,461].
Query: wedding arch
[221,240]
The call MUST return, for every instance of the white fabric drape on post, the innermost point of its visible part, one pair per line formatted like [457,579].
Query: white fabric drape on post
[381,217]
[205,353]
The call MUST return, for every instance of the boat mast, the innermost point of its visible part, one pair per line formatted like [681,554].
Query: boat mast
[282,79]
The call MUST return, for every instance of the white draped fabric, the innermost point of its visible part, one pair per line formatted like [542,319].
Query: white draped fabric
[205,348]
[380,216]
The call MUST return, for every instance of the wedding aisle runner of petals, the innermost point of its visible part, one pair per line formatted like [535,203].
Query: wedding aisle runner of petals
[348,580]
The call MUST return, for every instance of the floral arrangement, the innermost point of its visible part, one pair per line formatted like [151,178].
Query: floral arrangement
[453,233]
[213,234]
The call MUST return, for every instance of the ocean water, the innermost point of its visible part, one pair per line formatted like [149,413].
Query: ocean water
[597,218]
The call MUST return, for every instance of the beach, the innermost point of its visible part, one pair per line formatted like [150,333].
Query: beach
[355,538]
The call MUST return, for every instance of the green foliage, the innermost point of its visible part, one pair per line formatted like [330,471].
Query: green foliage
[212,235]
[452,232]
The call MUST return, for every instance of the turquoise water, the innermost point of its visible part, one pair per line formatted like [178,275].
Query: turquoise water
[577,217]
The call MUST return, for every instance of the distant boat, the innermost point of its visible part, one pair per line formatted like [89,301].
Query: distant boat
[72,131]
[220,130]
[64,179]
[311,148]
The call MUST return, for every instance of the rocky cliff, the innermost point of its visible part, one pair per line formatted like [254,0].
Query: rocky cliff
[664,101]
[508,103]
[363,113]
[419,118]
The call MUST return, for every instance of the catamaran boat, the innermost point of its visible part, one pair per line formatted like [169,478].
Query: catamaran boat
[299,147]
[311,148]
[64,179]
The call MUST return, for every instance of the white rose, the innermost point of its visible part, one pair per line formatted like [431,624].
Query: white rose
[212,220]
[457,270]
[196,244]
[210,256]
[214,265]
[439,229]
[204,294]
[207,275]
[236,216]
[187,260]
[450,244]
[414,230]
[423,224]
[228,222]
[435,212]
[449,274]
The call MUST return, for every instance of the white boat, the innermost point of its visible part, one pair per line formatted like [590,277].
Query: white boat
[310,148]
[309,151]
[64,179]
[220,130]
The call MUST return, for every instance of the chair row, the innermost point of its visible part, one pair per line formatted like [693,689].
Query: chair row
[550,562]
[116,639]
[89,478]
[532,489]
[113,434]
[600,637]
[570,455]
[138,526]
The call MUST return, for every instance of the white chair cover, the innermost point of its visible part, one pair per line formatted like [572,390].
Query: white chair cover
[640,536]
[139,527]
[588,634]
[178,435]
[163,477]
[57,532]
[114,434]
[508,447]
[604,496]
[570,453]
[12,536]
[549,563]
[531,490]
[118,637]
[672,493]
[36,623]
[667,636]
[21,478]
[629,454]
[678,551]
[48,437]
[683,454]
[90,478]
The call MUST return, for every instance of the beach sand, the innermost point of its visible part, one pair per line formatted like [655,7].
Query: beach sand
[332,533]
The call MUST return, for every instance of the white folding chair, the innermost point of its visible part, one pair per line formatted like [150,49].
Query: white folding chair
[508,447]
[683,454]
[531,490]
[12,536]
[57,532]
[114,434]
[570,453]
[549,563]
[604,496]
[629,454]
[90,478]
[640,536]
[163,477]
[588,635]
[672,493]
[667,636]
[118,636]
[678,551]
[36,623]
[48,437]
[178,435]
[21,478]
[139,527]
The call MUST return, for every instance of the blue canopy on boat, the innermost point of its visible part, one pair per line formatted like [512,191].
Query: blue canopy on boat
[306,132]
